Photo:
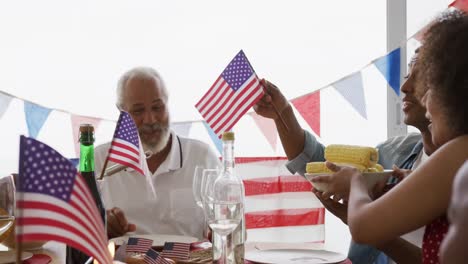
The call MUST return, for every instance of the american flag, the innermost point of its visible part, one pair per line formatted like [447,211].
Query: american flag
[233,93]
[176,250]
[138,244]
[54,202]
[152,257]
[125,147]
[279,206]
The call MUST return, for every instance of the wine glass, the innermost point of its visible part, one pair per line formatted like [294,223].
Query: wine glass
[198,188]
[7,205]
[224,198]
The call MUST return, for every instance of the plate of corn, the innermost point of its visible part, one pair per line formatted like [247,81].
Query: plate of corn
[362,158]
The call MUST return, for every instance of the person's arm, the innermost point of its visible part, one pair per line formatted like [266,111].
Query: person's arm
[292,138]
[399,250]
[402,251]
[413,203]
[299,145]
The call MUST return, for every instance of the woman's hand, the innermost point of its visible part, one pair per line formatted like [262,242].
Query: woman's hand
[338,183]
[400,174]
[338,209]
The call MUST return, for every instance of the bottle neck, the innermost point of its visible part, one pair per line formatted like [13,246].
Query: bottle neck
[86,152]
[228,155]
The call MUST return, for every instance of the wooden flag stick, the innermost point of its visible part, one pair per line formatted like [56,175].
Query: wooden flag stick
[276,109]
[101,176]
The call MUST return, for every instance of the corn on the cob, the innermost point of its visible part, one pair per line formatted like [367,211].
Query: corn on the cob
[376,168]
[320,167]
[316,167]
[364,156]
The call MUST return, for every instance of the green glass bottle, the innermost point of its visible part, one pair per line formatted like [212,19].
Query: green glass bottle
[86,170]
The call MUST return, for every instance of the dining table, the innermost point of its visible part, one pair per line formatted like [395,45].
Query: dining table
[56,250]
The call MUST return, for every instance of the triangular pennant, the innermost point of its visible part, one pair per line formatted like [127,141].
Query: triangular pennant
[182,129]
[309,107]
[460,5]
[76,121]
[75,162]
[351,88]
[4,103]
[216,141]
[36,116]
[389,66]
[268,128]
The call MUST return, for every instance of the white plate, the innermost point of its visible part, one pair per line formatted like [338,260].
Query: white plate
[158,240]
[372,178]
[294,256]
[10,256]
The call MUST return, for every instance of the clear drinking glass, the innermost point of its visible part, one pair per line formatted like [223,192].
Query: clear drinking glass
[224,199]
[7,205]
[198,189]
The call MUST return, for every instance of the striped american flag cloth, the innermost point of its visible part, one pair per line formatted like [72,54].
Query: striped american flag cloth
[138,244]
[54,202]
[234,92]
[126,146]
[176,250]
[279,206]
[152,257]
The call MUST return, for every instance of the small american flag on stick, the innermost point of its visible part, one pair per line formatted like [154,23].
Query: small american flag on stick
[152,257]
[138,244]
[126,147]
[54,202]
[176,250]
[234,92]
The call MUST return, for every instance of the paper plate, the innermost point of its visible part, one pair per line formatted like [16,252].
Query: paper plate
[294,256]
[158,240]
[10,256]
[371,178]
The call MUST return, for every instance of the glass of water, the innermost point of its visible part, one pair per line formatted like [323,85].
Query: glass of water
[7,205]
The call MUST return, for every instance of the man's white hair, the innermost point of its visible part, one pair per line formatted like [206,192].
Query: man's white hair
[142,72]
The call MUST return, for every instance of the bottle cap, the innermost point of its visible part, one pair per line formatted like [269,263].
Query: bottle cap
[228,135]
[86,128]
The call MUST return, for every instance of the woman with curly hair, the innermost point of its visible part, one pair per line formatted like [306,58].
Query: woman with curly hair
[423,198]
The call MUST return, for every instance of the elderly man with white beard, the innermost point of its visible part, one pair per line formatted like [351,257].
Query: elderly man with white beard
[141,92]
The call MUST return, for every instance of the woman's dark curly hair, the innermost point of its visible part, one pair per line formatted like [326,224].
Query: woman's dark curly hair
[444,67]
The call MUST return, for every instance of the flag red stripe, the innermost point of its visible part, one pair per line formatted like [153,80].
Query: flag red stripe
[213,96]
[219,96]
[56,209]
[58,224]
[285,217]
[128,164]
[208,93]
[90,205]
[242,107]
[124,146]
[88,201]
[125,155]
[224,95]
[238,113]
[233,98]
[279,184]
[102,258]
